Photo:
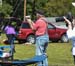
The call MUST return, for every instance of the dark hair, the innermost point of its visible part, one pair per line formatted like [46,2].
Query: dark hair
[10,24]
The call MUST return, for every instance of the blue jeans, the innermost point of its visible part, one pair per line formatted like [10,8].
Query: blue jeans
[11,38]
[41,46]
[73,41]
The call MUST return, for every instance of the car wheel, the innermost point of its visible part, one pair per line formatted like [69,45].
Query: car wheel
[64,38]
[31,39]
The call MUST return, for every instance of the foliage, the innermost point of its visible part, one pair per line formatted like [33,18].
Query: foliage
[58,8]
[51,7]
[6,9]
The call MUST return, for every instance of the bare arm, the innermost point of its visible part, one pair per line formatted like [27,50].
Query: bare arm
[30,23]
[68,22]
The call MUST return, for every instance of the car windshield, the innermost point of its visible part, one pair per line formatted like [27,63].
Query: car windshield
[25,25]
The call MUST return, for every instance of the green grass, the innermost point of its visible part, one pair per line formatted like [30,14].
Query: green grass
[59,54]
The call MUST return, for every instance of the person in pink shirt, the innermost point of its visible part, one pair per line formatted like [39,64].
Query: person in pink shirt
[41,33]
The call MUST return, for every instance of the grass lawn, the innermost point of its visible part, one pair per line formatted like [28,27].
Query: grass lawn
[59,54]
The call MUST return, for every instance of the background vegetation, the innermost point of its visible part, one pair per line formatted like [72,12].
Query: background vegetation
[51,7]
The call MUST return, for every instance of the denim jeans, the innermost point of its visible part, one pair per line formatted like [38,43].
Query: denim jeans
[73,41]
[11,39]
[41,46]
[73,45]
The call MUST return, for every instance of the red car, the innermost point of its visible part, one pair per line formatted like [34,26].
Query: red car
[55,33]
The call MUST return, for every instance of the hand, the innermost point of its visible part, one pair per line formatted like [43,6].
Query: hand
[64,17]
[28,19]
[66,20]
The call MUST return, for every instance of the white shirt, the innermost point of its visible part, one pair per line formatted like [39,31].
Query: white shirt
[71,33]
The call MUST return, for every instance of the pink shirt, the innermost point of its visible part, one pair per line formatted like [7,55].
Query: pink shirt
[40,26]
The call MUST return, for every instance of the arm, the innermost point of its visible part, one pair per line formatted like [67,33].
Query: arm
[68,22]
[69,31]
[30,23]
[5,29]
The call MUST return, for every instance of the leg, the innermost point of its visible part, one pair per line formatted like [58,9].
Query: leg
[41,46]
[12,46]
[12,42]
[73,53]
[45,62]
[9,38]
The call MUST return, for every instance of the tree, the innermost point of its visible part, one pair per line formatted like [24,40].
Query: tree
[57,8]
[6,9]
[51,7]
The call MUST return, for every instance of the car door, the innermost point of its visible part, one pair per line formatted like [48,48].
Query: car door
[51,31]
[24,31]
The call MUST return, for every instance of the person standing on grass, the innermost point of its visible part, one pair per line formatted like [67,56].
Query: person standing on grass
[10,33]
[71,34]
[41,33]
